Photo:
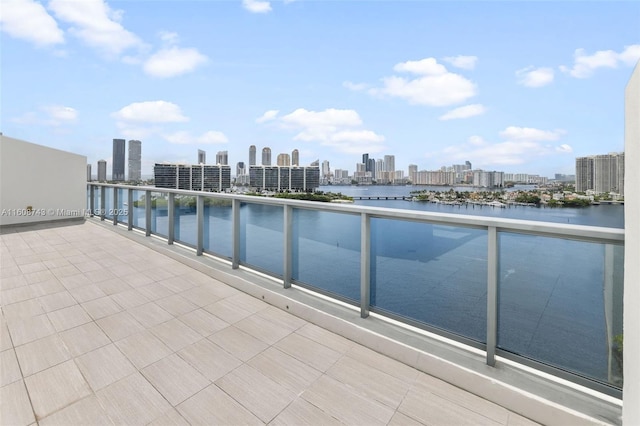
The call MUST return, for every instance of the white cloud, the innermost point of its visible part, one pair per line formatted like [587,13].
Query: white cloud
[169,37]
[151,112]
[29,20]
[530,134]
[585,65]
[59,114]
[268,116]
[535,77]
[173,61]
[337,128]
[184,137]
[461,61]
[96,24]
[434,86]
[256,6]
[356,87]
[464,112]
[519,146]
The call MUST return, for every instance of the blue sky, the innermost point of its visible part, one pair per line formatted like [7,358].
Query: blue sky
[521,87]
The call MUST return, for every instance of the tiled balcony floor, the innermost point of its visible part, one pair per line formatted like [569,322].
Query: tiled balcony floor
[98,329]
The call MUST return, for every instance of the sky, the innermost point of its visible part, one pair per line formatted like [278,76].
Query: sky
[519,87]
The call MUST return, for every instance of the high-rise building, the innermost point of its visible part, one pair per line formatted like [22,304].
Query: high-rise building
[295,158]
[200,177]
[102,170]
[222,158]
[117,160]
[252,155]
[241,169]
[390,163]
[600,173]
[283,160]
[88,172]
[135,160]
[274,178]
[266,156]
[202,157]
[326,169]
[413,171]
[365,161]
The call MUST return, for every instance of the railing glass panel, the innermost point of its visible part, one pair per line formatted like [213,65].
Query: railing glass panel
[432,274]
[261,237]
[560,303]
[108,203]
[185,225]
[139,220]
[122,206]
[160,213]
[218,227]
[326,252]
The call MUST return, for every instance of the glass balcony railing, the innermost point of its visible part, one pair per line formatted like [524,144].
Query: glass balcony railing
[542,294]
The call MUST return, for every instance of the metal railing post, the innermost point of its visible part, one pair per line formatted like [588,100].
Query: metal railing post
[102,202]
[147,212]
[235,234]
[287,252]
[492,294]
[365,264]
[129,209]
[115,205]
[92,200]
[171,212]
[199,225]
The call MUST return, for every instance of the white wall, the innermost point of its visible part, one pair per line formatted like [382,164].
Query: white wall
[52,182]
[631,391]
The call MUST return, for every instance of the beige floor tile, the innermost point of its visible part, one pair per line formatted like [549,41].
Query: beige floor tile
[136,279]
[203,322]
[517,420]
[301,412]
[227,311]
[129,299]
[248,386]
[55,388]
[55,301]
[170,418]
[177,284]
[285,369]
[143,349]
[41,354]
[339,401]
[325,337]
[428,408]
[17,294]
[84,338]
[176,305]
[47,287]
[380,362]
[281,318]
[308,351]
[15,408]
[369,381]
[209,359]
[24,309]
[102,307]
[69,276]
[104,366]
[87,411]
[5,337]
[238,343]
[262,329]
[175,379]
[400,419]
[132,401]
[66,318]
[9,368]
[25,330]
[11,278]
[428,384]
[155,291]
[99,275]
[201,296]
[150,314]
[113,286]
[211,406]
[38,277]
[88,266]
[119,326]
[56,262]
[87,293]
[175,334]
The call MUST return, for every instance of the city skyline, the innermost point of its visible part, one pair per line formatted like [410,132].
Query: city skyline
[518,87]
